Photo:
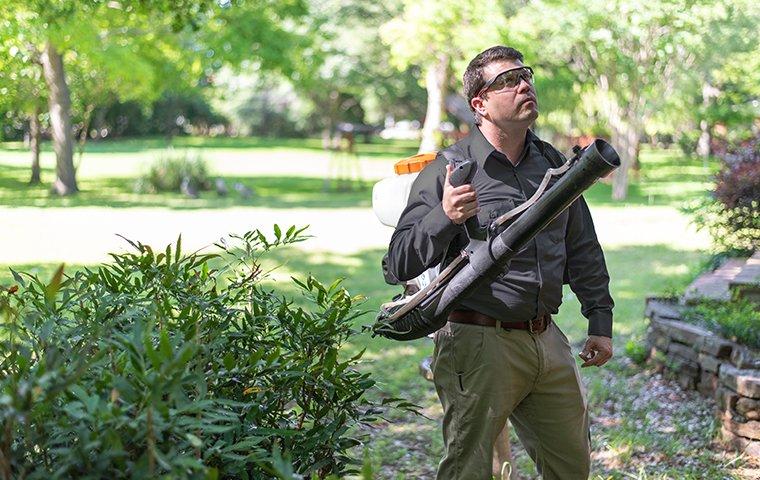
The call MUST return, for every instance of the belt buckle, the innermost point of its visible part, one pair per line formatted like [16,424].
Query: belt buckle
[533,330]
[530,326]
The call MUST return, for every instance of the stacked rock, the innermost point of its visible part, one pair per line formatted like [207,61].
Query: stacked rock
[701,360]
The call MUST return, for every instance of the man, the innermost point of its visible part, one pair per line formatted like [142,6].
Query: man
[500,355]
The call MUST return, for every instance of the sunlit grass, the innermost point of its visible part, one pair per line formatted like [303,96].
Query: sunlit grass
[298,172]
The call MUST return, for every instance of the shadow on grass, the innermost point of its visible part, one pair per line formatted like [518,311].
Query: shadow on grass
[635,271]
[276,192]
[667,178]
[377,147]
[118,192]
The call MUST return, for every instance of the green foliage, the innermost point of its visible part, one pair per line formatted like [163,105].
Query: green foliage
[427,29]
[636,350]
[637,68]
[174,365]
[687,142]
[738,319]
[732,229]
[137,50]
[175,113]
[168,172]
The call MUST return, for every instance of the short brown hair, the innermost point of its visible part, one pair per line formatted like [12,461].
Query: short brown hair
[473,76]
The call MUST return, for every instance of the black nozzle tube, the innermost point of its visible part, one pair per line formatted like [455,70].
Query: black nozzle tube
[485,263]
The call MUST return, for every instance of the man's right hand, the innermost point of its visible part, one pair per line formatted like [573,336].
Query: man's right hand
[459,203]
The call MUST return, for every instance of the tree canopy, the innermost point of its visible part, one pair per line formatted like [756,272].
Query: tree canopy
[612,68]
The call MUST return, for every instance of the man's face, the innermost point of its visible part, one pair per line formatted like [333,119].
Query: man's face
[507,106]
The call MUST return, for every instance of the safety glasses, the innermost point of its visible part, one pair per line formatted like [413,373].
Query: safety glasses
[508,79]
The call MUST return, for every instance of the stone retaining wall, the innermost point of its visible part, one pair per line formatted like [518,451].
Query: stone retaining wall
[701,360]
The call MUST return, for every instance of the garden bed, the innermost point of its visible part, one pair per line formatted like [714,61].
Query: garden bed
[715,366]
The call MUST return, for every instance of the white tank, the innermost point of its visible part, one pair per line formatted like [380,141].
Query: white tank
[390,196]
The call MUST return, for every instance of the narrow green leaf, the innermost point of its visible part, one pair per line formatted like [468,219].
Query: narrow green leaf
[165,345]
[150,351]
[55,284]
[229,361]
[178,249]
[17,277]
[136,247]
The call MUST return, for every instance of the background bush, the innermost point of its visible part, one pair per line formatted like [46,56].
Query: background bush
[168,365]
[732,214]
[168,172]
[739,319]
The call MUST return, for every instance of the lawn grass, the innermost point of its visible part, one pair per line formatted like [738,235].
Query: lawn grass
[284,173]
[118,192]
[287,173]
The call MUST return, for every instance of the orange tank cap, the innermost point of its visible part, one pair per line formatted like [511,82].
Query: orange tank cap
[414,163]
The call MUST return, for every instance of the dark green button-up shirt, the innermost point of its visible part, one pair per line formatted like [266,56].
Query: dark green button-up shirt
[566,249]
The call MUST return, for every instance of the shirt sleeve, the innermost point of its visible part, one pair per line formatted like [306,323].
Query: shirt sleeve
[586,270]
[423,232]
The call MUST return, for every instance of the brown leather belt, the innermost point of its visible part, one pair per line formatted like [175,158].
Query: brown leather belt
[536,325]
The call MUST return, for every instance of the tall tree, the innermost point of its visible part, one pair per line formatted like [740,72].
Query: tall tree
[633,56]
[22,87]
[438,36]
[131,42]
[353,64]
[60,119]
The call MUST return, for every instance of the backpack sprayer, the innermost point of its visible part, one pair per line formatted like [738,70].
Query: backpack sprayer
[488,253]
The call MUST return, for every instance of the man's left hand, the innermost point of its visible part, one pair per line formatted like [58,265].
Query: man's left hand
[596,351]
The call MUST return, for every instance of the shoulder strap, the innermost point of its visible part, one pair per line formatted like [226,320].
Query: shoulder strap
[549,152]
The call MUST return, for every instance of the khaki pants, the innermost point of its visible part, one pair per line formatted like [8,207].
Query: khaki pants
[484,375]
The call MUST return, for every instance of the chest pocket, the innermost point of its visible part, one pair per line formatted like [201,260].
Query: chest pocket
[493,211]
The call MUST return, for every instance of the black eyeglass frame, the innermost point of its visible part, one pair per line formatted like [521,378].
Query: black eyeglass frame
[493,79]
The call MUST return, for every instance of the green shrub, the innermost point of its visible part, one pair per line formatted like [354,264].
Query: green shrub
[637,351]
[168,172]
[687,142]
[733,230]
[171,365]
[738,319]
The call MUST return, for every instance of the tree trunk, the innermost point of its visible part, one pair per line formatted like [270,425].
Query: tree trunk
[626,137]
[705,136]
[60,121]
[34,145]
[436,79]
[86,118]
[703,144]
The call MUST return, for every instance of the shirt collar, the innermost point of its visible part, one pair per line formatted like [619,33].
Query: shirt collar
[480,148]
